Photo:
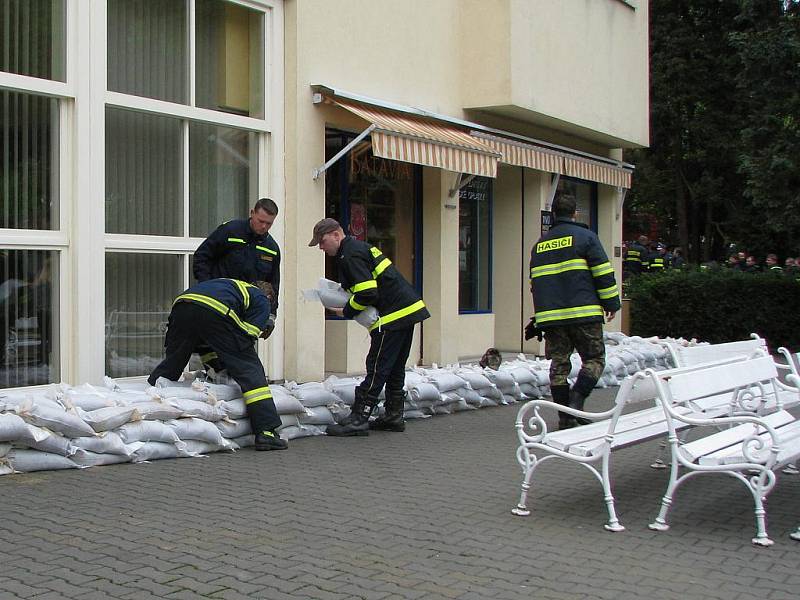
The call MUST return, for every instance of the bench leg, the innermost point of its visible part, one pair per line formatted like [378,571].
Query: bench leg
[761,539]
[521,509]
[791,470]
[660,524]
[613,522]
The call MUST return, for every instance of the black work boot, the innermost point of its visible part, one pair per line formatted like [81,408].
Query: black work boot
[581,389]
[269,440]
[392,420]
[357,422]
[560,394]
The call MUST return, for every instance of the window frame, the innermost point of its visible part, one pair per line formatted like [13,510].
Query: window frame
[490,259]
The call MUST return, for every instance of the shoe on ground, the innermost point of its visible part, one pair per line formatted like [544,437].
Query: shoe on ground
[269,440]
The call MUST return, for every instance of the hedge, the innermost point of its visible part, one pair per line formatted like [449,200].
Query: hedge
[716,306]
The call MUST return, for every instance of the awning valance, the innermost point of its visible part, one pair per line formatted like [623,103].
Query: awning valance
[531,156]
[408,138]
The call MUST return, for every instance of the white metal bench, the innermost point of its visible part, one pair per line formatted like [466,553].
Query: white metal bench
[687,356]
[751,449]
[591,445]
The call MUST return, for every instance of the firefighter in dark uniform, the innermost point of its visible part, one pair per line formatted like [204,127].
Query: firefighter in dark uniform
[637,258]
[373,280]
[660,260]
[242,249]
[227,315]
[573,288]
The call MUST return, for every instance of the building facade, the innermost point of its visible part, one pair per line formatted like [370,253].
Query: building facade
[131,128]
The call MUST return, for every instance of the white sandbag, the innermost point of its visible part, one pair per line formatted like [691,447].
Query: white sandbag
[343,387]
[319,415]
[245,441]
[223,391]
[415,414]
[86,458]
[445,380]
[129,397]
[4,448]
[502,379]
[11,402]
[113,384]
[47,441]
[285,402]
[27,461]
[529,390]
[299,431]
[196,408]
[312,394]
[288,421]
[157,410]
[475,379]
[13,428]
[166,389]
[508,399]
[87,397]
[443,409]
[159,450]
[330,293]
[424,392]
[197,429]
[366,318]
[449,398]
[234,409]
[147,431]
[522,374]
[234,429]
[198,447]
[54,418]
[462,406]
[110,417]
[108,442]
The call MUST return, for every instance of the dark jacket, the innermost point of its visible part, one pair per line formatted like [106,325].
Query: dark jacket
[636,259]
[234,251]
[374,281]
[246,306]
[572,280]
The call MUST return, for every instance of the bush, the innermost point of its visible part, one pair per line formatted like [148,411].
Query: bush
[716,306]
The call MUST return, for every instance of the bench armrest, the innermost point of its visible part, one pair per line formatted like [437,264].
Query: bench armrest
[531,426]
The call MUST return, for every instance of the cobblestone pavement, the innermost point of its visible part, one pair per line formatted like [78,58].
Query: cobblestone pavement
[423,514]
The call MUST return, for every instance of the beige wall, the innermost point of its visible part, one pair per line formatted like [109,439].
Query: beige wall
[578,66]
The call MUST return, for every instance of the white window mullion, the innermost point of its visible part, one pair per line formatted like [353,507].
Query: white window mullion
[192,44]
[185,163]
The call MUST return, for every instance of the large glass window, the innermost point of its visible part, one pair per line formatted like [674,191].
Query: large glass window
[147,48]
[375,200]
[222,175]
[475,246]
[140,289]
[144,174]
[230,57]
[585,193]
[32,38]
[28,317]
[28,161]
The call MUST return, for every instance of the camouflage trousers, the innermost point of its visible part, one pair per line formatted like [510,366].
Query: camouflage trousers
[587,339]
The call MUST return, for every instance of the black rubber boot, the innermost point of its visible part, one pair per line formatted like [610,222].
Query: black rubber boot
[392,420]
[560,394]
[357,422]
[581,389]
[269,440]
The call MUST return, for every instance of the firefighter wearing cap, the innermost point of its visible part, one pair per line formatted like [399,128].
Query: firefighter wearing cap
[660,260]
[373,280]
[226,315]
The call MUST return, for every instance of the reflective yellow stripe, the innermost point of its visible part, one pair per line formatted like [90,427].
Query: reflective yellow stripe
[608,293]
[382,266]
[267,250]
[633,259]
[364,285]
[375,252]
[237,240]
[602,269]
[576,264]
[207,357]
[352,302]
[243,289]
[218,306]
[262,393]
[576,312]
[398,314]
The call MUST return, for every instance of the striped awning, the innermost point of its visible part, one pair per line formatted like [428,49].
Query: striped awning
[591,170]
[521,154]
[531,156]
[413,139]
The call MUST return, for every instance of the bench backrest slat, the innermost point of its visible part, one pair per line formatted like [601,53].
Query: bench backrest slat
[714,380]
[693,355]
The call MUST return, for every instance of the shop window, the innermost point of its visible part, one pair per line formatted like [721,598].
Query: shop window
[147,48]
[140,289]
[375,200]
[144,181]
[585,193]
[28,317]
[32,34]
[230,57]
[475,246]
[28,161]
[223,170]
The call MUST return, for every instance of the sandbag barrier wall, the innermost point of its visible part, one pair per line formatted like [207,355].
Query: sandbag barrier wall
[66,427]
